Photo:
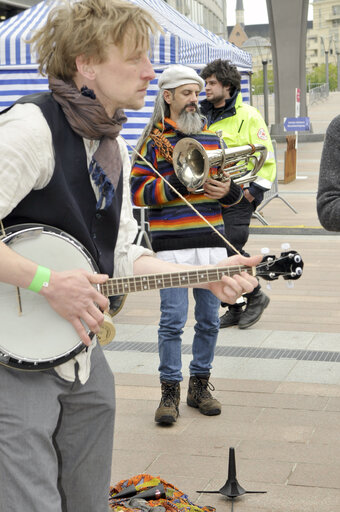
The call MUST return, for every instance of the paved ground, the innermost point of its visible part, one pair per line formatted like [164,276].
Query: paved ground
[279,381]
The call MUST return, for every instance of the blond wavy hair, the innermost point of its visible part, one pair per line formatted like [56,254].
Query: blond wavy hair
[87,28]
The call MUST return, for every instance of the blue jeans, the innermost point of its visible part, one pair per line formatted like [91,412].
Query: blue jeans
[174,313]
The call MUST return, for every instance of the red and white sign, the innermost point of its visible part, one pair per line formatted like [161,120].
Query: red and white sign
[297,102]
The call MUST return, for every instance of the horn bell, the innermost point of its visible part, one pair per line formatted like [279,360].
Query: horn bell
[191,163]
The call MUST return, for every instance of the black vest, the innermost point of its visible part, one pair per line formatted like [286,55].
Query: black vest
[68,201]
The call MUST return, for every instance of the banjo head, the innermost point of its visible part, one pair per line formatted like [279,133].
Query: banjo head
[38,338]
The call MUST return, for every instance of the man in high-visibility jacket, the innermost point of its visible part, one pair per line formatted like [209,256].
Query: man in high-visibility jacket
[240,124]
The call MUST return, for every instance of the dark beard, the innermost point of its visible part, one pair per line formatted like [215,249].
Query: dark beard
[218,99]
[189,122]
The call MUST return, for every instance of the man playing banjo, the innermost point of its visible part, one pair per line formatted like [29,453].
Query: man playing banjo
[64,165]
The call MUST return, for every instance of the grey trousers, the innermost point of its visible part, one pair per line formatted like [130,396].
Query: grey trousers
[56,440]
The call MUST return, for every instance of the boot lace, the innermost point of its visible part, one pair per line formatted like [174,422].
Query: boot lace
[203,387]
[169,394]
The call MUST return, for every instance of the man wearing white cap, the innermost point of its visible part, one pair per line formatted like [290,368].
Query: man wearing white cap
[178,234]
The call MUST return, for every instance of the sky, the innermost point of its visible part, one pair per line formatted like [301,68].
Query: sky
[255,12]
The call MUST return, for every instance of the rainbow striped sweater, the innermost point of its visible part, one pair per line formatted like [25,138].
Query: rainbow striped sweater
[173,224]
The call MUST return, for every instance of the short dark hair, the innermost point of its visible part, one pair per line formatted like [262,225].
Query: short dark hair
[225,72]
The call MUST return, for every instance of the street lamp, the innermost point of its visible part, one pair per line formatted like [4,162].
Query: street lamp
[326,59]
[265,90]
[337,52]
[265,52]
[260,49]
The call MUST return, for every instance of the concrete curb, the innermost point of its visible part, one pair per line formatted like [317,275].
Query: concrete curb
[302,137]
[287,230]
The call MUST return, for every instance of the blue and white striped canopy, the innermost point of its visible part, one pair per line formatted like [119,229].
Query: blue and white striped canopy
[183,42]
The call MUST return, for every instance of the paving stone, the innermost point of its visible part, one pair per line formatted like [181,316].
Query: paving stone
[311,453]
[138,393]
[277,472]
[333,404]
[175,440]
[327,435]
[132,361]
[292,340]
[257,386]
[316,475]
[309,388]
[299,417]
[246,430]
[138,380]
[129,462]
[310,371]
[268,369]
[279,498]
[276,401]
[329,341]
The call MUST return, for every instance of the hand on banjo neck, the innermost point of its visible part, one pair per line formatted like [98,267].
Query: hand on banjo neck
[43,337]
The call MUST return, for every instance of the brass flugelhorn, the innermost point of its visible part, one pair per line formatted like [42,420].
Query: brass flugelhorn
[192,163]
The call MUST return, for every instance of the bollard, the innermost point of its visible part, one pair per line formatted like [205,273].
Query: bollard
[290,160]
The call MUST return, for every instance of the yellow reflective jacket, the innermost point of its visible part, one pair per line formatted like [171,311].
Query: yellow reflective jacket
[244,127]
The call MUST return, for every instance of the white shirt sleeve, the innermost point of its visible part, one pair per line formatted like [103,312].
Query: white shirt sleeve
[27,163]
[125,252]
[27,155]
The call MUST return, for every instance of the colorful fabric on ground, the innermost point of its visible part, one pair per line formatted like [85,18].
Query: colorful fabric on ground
[175,500]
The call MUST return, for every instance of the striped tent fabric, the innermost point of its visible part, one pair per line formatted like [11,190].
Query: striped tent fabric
[16,30]
[182,41]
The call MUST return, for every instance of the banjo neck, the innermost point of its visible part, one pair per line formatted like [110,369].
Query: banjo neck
[41,339]
[124,285]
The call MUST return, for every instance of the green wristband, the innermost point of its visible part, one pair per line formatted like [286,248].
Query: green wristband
[41,278]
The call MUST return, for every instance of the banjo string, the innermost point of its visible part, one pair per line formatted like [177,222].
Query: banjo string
[2,229]
[173,189]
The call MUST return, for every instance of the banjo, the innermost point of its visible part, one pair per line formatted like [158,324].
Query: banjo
[35,337]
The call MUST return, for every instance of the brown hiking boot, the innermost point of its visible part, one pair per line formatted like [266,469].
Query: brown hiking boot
[200,397]
[167,411]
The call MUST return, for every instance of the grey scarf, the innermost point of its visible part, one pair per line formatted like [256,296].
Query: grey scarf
[88,118]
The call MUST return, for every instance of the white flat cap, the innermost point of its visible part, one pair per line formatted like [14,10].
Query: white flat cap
[176,75]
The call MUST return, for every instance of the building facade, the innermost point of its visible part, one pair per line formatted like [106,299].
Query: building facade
[260,50]
[10,8]
[324,37]
[210,14]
